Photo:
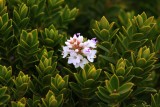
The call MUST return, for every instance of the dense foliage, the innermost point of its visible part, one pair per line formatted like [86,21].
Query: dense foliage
[125,72]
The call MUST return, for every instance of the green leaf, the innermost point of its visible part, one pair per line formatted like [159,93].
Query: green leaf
[73,13]
[153,102]
[89,83]
[4,27]
[56,42]
[87,91]
[46,79]
[134,45]
[104,24]
[111,26]
[139,90]
[49,94]
[124,96]
[35,35]
[24,44]
[84,75]
[23,88]
[23,11]
[8,75]
[16,16]
[97,33]
[61,84]
[48,69]
[137,71]
[114,81]
[1,22]
[52,102]
[146,53]
[145,28]
[87,67]
[120,71]
[60,100]
[148,21]
[140,20]
[66,70]
[138,36]
[121,41]
[24,35]
[98,72]
[105,34]
[95,25]
[9,29]
[4,99]
[157,44]
[24,22]
[141,62]
[53,86]
[110,59]
[144,16]
[125,87]
[114,33]
[139,53]
[103,92]
[5,18]
[44,103]
[103,48]
[108,86]
[3,91]
[125,32]
[114,95]
[128,70]
[100,96]
[75,87]
[49,41]
[78,78]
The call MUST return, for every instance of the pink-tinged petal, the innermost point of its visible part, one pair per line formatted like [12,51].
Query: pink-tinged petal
[67,43]
[80,39]
[74,36]
[81,45]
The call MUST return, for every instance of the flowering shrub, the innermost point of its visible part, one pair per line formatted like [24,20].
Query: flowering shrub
[80,52]
[115,64]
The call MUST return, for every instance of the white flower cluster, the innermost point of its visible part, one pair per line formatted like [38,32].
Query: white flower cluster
[78,51]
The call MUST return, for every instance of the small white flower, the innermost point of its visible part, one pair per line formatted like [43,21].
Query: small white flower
[74,58]
[83,61]
[90,43]
[86,51]
[65,51]
[79,52]
[91,55]
[80,39]
[68,44]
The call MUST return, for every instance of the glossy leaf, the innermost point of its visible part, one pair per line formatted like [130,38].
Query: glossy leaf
[125,88]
